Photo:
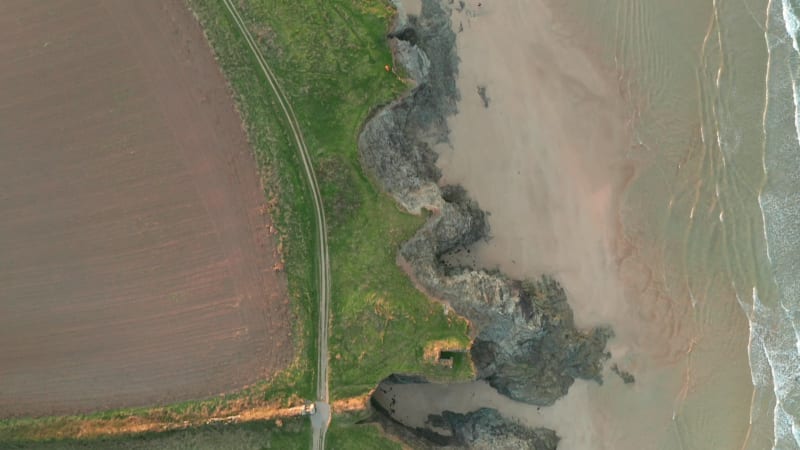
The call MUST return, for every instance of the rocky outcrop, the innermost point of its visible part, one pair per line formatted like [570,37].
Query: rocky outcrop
[395,144]
[526,345]
[486,429]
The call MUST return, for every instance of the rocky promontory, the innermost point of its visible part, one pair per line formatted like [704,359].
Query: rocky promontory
[486,429]
[526,344]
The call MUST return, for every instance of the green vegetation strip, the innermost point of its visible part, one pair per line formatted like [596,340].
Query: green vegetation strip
[330,58]
[277,392]
[291,434]
[345,434]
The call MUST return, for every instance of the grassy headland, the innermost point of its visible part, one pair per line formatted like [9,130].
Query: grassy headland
[330,58]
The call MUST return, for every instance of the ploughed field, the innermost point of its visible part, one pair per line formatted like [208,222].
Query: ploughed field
[136,261]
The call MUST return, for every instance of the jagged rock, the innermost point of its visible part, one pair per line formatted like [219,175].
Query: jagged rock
[403,167]
[526,344]
[626,376]
[406,53]
[407,34]
[486,429]
[395,144]
[399,378]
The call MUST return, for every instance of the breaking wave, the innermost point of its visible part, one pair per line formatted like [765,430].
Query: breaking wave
[775,318]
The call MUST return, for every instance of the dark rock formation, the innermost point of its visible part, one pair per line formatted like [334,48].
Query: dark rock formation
[487,429]
[527,346]
[398,378]
[546,353]
[481,429]
[395,144]
[484,97]
[626,376]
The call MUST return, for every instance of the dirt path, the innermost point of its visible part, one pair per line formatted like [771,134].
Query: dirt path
[321,420]
[136,263]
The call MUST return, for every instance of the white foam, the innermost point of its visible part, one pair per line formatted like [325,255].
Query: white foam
[760,369]
[791,23]
[775,338]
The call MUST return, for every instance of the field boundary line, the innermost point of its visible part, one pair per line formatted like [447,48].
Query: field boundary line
[320,427]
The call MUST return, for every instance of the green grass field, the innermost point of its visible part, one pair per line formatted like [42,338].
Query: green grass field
[346,434]
[330,56]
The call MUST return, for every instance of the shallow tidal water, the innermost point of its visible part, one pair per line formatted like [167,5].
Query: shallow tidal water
[713,212]
[645,153]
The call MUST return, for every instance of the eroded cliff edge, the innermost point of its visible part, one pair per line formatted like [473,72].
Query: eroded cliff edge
[526,344]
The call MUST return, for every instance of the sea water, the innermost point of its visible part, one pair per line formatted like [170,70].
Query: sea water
[714,90]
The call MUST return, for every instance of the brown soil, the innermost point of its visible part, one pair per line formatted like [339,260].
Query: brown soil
[136,264]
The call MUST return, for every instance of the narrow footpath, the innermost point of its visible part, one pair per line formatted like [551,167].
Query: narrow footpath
[321,417]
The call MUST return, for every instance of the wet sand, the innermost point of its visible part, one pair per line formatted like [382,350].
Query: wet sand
[545,141]
[546,157]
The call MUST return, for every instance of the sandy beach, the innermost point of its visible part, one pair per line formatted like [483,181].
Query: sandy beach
[545,155]
[545,140]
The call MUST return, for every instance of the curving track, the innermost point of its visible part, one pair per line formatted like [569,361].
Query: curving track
[322,417]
